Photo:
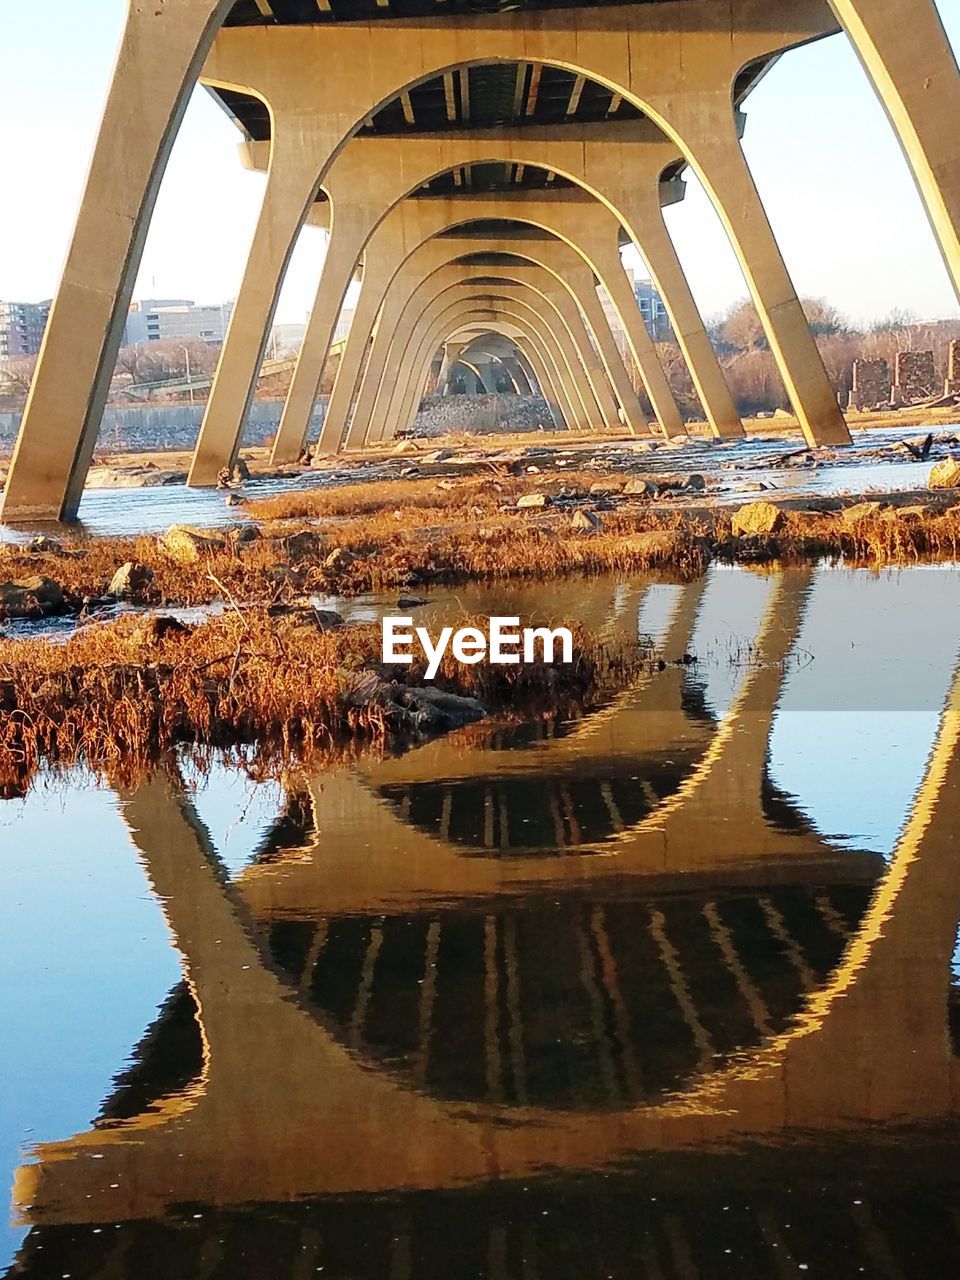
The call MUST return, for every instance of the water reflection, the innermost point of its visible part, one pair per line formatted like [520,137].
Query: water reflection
[671,1029]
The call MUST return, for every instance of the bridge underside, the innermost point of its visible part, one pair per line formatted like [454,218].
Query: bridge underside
[561,129]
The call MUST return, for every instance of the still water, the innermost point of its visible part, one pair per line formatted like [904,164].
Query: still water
[668,990]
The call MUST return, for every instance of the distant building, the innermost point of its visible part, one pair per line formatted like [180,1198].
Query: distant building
[653,311]
[175,320]
[343,324]
[285,339]
[651,307]
[22,325]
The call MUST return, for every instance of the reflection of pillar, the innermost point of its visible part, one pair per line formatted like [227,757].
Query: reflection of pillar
[300,149]
[163,46]
[911,64]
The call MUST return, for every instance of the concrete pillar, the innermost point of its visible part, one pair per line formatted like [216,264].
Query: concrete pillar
[300,150]
[907,55]
[642,206]
[161,52]
[721,166]
[339,265]
[380,259]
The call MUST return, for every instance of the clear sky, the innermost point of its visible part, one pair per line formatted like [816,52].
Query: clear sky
[831,174]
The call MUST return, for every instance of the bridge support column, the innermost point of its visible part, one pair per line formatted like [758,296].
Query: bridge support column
[722,167]
[339,266]
[162,50]
[381,258]
[540,379]
[908,58]
[300,150]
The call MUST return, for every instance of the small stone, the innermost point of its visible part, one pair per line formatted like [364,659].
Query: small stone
[604,487]
[187,545]
[586,522]
[232,500]
[130,580]
[945,474]
[533,500]
[758,519]
[695,483]
[411,602]
[911,515]
[639,488]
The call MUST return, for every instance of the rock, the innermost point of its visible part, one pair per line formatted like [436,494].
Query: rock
[130,581]
[241,472]
[911,515]
[434,711]
[144,477]
[586,522]
[446,485]
[242,535]
[758,519]
[604,487]
[163,626]
[326,619]
[302,545]
[187,545]
[945,474]
[411,602]
[405,472]
[405,446]
[31,598]
[42,545]
[695,483]
[534,500]
[860,511]
[438,455]
[339,560]
[654,546]
[637,488]
[232,500]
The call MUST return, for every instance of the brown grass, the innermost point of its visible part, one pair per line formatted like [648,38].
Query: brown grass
[117,697]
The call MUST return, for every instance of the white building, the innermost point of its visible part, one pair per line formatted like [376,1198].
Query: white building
[22,325]
[175,320]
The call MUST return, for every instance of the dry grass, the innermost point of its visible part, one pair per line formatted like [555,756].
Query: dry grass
[117,697]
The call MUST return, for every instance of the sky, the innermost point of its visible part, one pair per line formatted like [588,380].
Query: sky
[836,187]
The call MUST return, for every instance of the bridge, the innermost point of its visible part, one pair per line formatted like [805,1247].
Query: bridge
[479,171]
[364,1032]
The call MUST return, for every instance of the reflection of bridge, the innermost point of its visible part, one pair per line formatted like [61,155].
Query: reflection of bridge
[572,118]
[351,1098]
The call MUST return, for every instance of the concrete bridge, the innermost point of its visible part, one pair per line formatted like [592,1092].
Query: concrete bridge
[334,996]
[390,123]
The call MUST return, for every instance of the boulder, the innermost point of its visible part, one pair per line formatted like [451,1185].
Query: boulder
[654,546]
[945,474]
[533,501]
[42,545]
[411,602]
[860,511]
[758,519]
[242,535]
[639,488]
[31,598]
[603,487]
[695,483]
[130,581]
[435,711]
[302,545]
[586,522]
[187,545]
[339,560]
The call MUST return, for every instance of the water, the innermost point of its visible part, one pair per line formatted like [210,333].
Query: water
[668,990]
[119,513]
